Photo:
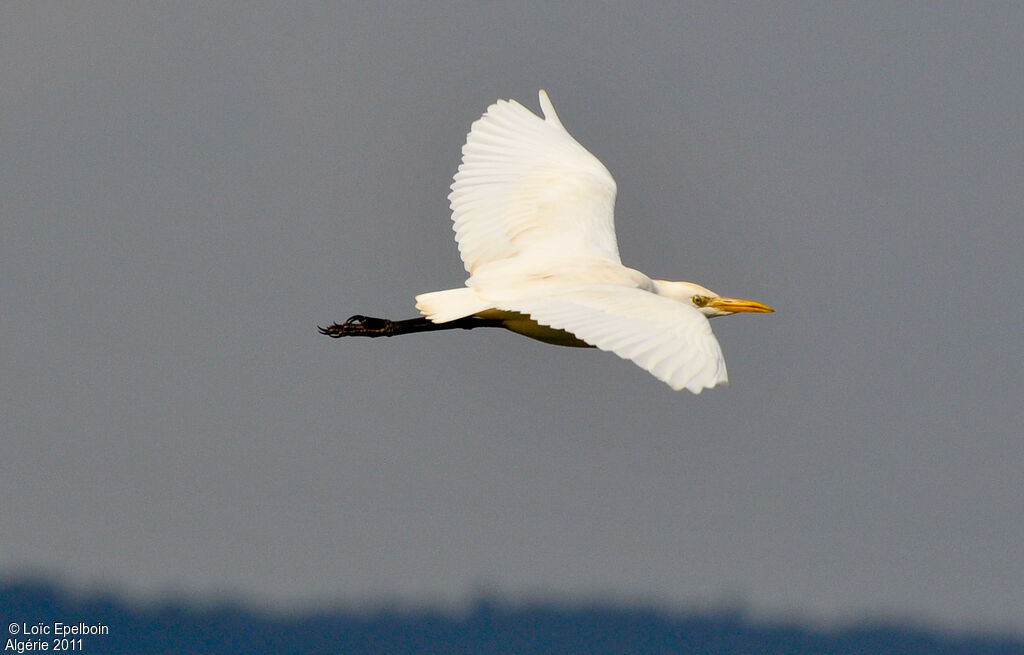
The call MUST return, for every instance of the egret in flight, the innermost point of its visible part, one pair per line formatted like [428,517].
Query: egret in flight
[533,217]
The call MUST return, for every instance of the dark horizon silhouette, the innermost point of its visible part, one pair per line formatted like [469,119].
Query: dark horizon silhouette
[489,625]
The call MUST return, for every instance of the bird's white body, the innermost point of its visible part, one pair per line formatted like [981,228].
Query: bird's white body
[533,215]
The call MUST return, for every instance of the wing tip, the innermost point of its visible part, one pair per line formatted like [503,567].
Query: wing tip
[548,109]
[696,387]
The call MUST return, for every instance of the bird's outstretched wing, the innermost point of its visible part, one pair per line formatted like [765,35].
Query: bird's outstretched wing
[526,185]
[671,340]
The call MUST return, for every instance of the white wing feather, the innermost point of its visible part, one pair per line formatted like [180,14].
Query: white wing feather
[533,217]
[526,185]
[671,340]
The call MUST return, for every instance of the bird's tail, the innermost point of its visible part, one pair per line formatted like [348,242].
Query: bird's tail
[450,304]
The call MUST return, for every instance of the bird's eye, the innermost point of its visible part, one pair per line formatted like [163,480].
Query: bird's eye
[700,301]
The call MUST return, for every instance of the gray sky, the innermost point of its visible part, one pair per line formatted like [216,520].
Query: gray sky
[185,192]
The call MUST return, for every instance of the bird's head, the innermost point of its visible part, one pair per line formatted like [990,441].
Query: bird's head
[707,301]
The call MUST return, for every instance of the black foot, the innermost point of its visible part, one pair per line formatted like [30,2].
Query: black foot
[359,326]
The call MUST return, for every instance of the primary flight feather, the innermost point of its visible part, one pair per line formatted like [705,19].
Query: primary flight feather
[533,213]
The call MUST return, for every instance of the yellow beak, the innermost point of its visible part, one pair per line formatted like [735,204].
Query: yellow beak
[737,305]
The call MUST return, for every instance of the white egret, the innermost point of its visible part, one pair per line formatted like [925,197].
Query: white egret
[533,218]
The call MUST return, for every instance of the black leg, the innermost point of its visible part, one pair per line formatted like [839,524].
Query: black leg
[360,326]
[367,326]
